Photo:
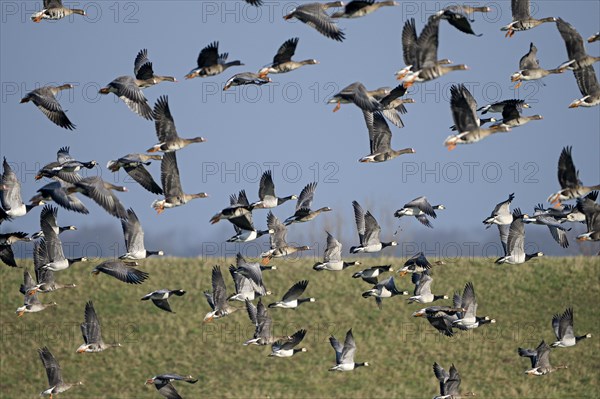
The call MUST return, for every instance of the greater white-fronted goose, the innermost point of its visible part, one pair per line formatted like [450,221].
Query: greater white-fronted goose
[303,212]
[468,319]
[515,243]
[287,347]
[163,385]
[168,139]
[266,193]
[45,99]
[58,193]
[449,383]
[422,292]
[243,224]
[124,271]
[498,107]
[217,299]
[246,78]
[10,194]
[65,167]
[53,10]
[54,373]
[368,232]
[540,360]
[568,178]
[282,62]
[511,117]
[315,16]
[6,241]
[239,206]
[92,333]
[54,249]
[357,94]
[360,8]
[160,298]
[588,86]
[101,192]
[380,139]
[392,104]
[169,177]
[457,16]
[591,210]
[144,73]
[31,303]
[502,217]
[383,289]
[126,88]
[263,325]
[134,238]
[211,63]
[529,68]
[542,217]
[44,277]
[248,280]
[521,18]
[594,38]
[464,113]
[135,166]
[332,257]
[279,245]
[291,299]
[578,58]
[420,208]
[562,324]
[370,275]
[344,354]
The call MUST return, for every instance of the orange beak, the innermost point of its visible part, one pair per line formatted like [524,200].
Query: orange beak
[338,106]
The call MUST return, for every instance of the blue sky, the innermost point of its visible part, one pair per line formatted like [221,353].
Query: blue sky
[286,126]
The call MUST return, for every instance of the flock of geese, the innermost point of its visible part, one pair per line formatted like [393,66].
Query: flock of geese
[378,107]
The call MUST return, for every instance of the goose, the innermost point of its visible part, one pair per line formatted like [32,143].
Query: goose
[57,192]
[441,317]
[419,208]
[541,217]
[468,319]
[121,270]
[515,243]
[588,86]
[266,193]
[279,245]
[591,210]
[61,229]
[498,107]
[44,277]
[144,73]
[568,178]
[166,132]
[101,192]
[344,354]
[370,275]
[287,348]
[420,54]
[135,166]
[562,324]
[256,3]
[303,212]
[163,385]
[380,139]
[392,104]
[6,241]
[449,383]
[45,99]
[134,239]
[282,62]
[511,117]
[211,63]
[383,289]
[263,324]
[357,94]
[360,8]
[417,264]
[458,18]
[332,257]
[578,58]
[92,333]
[248,279]
[594,38]
[368,232]
[54,373]
[31,303]
[246,78]
[464,113]
[291,299]
[422,292]
[54,249]
[10,194]
[314,15]
[169,177]
[55,170]
[127,89]
[239,207]
[160,298]
[217,299]
[521,18]
[243,224]
[502,217]
[53,10]
[540,360]
[529,68]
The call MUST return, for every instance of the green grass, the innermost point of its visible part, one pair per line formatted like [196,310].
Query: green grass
[399,348]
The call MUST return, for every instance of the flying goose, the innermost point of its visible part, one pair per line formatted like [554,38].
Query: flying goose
[360,8]
[521,18]
[259,316]
[127,89]
[458,17]
[54,249]
[163,385]
[417,264]
[246,78]
[562,324]
[370,275]
[392,104]
[419,208]
[529,68]
[121,270]
[243,223]
[441,317]
[314,15]
[144,73]
[45,99]
[101,192]
[515,243]
[542,217]
[135,166]
[57,192]
[568,178]
[6,241]
[169,177]
[31,303]
[134,238]
[449,383]
[383,289]
[287,347]
[239,207]
[10,194]
[211,63]
[468,319]
[511,117]
[344,354]
[279,245]
[594,38]
[332,257]
[92,334]
[282,62]
[578,58]
[591,210]
[266,193]
[44,277]
[54,373]
[53,10]
[168,138]
[368,232]
[160,298]
[291,299]
[502,217]
[540,360]
[498,106]
[248,279]
[303,212]
[380,139]
[65,167]
[422,292]
[217,299]
[357,94]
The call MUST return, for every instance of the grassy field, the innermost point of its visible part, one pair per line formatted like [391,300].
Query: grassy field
[399,348]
